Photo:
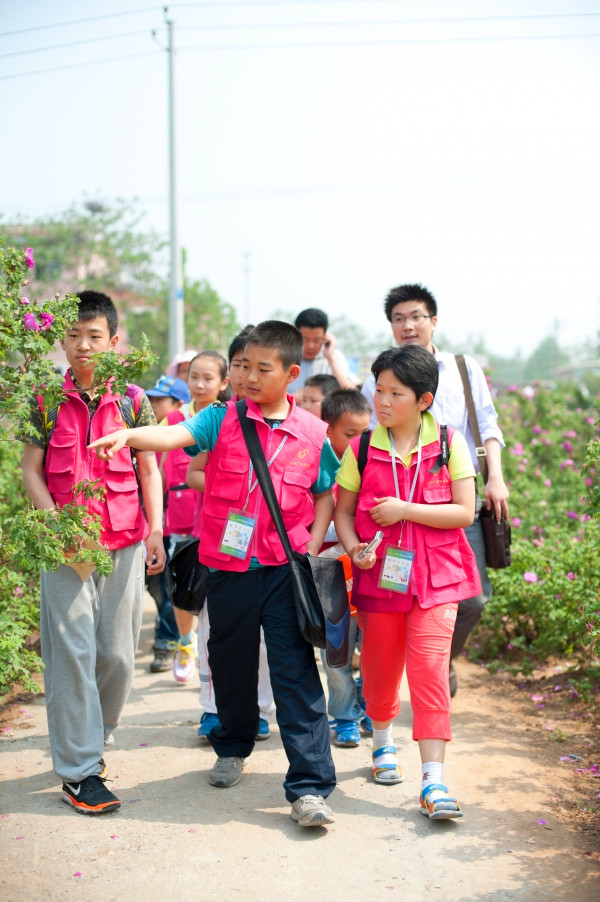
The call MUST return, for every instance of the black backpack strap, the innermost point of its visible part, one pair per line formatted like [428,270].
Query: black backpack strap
[444,444]
[363,450]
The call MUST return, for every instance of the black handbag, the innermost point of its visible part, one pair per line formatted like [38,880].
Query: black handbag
[318,584]
[186,578]
[496,538]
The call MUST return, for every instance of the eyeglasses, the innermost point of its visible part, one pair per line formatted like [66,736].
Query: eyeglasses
[415,318]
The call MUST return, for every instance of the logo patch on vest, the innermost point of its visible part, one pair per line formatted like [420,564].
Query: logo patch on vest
[304,452]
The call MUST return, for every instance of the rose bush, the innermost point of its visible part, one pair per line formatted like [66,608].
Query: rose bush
[547,603]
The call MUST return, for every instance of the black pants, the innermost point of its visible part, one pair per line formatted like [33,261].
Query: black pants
[238,604]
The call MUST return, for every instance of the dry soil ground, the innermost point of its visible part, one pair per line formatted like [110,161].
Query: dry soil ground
[529,833]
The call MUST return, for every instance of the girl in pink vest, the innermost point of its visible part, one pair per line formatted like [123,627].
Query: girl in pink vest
[413,497]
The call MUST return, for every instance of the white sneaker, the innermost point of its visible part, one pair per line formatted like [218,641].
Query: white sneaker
[311,811]
[184,662]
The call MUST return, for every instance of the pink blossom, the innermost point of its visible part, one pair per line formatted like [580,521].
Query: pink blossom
[547,483]
[132,391]
[572,515]
[588,482]
[47,320]
[25,301]
[568,447]
[571,575]
[29,257]
[19,592]
[590,420]
[31,323]
[570,434]
[513,387]
[517,448]
[537,429]
[567,463]
[516,521]
[530,577]
[538,542]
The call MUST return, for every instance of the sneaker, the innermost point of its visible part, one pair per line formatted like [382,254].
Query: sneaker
[184,662]
[109,740]
[452,680]
[311,811]
[366,725]
[346,734]
[103,769]
[264,731]
[163,660]
[90,796]
[207,722]
[226,772]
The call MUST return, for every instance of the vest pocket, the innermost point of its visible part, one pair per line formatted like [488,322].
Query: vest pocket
[444,558]
[122,500]
[294,487]
[230,478]
[60,462]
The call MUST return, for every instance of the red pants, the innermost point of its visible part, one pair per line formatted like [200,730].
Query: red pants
[419,638]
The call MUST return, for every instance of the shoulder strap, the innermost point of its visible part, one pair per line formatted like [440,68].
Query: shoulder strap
[479,448]
[444,444]
[363,450]
[262,474]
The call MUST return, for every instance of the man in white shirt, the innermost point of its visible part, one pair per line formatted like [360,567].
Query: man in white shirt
[412,311]
[319,354]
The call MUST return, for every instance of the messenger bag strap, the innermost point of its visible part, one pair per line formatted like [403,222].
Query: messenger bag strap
[262,474]
[479,448]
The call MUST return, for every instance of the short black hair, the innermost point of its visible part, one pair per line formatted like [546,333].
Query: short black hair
[326,382]
[278,336]
[95,303]
[412,365]
[312,318]
[239,342]
[404,293]
[341,401]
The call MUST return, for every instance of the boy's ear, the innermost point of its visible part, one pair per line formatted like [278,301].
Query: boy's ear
[114,342]
[293,373]
[425,401]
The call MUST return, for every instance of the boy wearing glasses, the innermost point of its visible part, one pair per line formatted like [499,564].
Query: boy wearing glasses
[412,312]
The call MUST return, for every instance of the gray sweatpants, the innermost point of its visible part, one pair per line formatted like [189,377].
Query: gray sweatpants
[89,634]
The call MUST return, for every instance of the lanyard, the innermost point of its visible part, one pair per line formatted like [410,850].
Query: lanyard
[252,485]
[414,482]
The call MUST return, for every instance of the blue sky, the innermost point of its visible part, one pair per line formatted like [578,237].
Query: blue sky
[344,159]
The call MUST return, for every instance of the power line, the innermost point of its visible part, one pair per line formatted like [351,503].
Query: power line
[129,12]
[108,37]
[110,59]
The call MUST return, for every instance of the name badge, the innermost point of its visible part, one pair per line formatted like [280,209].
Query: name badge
[396,569]
[237,534]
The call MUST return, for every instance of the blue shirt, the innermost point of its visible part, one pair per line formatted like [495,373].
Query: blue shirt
[206,425]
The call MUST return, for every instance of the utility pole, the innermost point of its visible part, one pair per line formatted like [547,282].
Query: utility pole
[176,324]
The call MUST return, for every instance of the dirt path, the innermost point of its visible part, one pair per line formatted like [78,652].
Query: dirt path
[178,838]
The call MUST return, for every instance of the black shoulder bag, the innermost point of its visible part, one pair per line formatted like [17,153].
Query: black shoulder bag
[318,584]
[185,577]
[496,533]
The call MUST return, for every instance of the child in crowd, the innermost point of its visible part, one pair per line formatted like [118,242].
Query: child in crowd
[180,365]
[90,626]
[347,415]
[249,585]
[196,479]
[167,397]
[315,389]
[407,590]
[208,381]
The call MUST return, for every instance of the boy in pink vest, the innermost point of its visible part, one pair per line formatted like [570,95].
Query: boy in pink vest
[415,493]
[90,626]
[249,585]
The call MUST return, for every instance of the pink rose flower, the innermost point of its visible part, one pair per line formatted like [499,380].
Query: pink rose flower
[31,323]
[29,257]
[25,301]
[47,320]
[571,575]
[516,521]
[566,463]
[530,577]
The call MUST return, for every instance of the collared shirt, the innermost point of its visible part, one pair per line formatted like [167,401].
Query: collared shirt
[318,366]
[459,463]
[449,405]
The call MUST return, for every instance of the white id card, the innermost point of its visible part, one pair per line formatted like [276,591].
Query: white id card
[396,569]
[237,534]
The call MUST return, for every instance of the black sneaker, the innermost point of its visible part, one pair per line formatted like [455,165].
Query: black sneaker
[90,796]
[163,660]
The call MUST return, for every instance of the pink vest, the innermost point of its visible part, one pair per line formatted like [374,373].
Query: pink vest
[444,566]
[68,462]
[180,502]
[293,471]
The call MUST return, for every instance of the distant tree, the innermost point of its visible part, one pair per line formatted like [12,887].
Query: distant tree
[547,358]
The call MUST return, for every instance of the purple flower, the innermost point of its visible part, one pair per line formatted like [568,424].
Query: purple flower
[132,391]
[570,434]
[31,323]
[588,481]
[537,429]
[568,447]
[572,515]
[47,320]
[29,257]
[567,463]
[530,577]
[25,301]
[516,521]
[571,575]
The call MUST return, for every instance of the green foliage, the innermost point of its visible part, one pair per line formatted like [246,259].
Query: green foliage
[547,602]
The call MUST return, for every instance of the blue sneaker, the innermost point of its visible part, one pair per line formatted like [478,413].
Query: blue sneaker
[207,722]
[264,730]
[366,726]
[346,733]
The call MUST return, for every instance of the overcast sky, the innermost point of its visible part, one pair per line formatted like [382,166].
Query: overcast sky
[343,158]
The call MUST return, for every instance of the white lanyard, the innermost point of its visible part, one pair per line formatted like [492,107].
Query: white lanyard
[252,485]
[414,482]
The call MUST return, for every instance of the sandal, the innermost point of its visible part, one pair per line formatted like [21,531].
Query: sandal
[346,734]
[386,773]
[439,807]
